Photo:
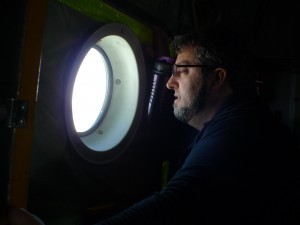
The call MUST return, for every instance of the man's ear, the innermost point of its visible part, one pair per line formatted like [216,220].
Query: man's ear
[219,78]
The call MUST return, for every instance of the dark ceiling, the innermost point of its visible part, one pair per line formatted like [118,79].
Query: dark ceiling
[272,25]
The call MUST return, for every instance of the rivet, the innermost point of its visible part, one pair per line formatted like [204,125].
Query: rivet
[117,81]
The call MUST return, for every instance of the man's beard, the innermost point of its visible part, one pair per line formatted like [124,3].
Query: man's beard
[196,104]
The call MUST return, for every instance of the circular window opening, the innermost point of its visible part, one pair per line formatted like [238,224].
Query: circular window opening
[91,92]
[105,94]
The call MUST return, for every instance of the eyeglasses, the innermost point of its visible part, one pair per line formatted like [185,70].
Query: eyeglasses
[175,68]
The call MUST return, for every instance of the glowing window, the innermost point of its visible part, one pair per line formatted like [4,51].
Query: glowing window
[105,94]
[91,92]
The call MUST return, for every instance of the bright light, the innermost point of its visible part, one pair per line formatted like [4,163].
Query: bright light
[90,91]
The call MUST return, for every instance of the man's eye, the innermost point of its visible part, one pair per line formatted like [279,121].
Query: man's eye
[182,70]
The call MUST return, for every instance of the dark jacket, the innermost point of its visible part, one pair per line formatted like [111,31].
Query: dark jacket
[240,170]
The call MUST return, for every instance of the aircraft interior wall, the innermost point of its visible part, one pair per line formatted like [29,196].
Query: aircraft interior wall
[10,59]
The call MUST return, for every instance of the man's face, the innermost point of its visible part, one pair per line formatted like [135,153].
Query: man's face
[190,88]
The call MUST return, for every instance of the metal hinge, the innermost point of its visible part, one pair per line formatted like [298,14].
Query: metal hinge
[15,113]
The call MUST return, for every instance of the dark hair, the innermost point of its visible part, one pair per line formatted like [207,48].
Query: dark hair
[222,47]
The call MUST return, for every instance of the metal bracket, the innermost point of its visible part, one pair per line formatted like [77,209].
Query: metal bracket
[15,112]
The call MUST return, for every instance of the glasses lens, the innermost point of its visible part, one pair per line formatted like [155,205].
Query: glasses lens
[174,70]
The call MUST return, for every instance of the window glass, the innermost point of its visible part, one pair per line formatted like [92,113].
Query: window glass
[90,91]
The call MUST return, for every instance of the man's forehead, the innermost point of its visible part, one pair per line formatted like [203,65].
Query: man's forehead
[186,55]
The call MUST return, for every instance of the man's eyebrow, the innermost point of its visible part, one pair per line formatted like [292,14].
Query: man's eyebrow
[185,62]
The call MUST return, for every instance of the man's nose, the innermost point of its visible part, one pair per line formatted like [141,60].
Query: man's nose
[171,84]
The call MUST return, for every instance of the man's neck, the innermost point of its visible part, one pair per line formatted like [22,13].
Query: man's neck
[201,118]
[212,107]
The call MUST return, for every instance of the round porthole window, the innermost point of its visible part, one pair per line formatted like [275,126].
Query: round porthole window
[104,101]
[91,91]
